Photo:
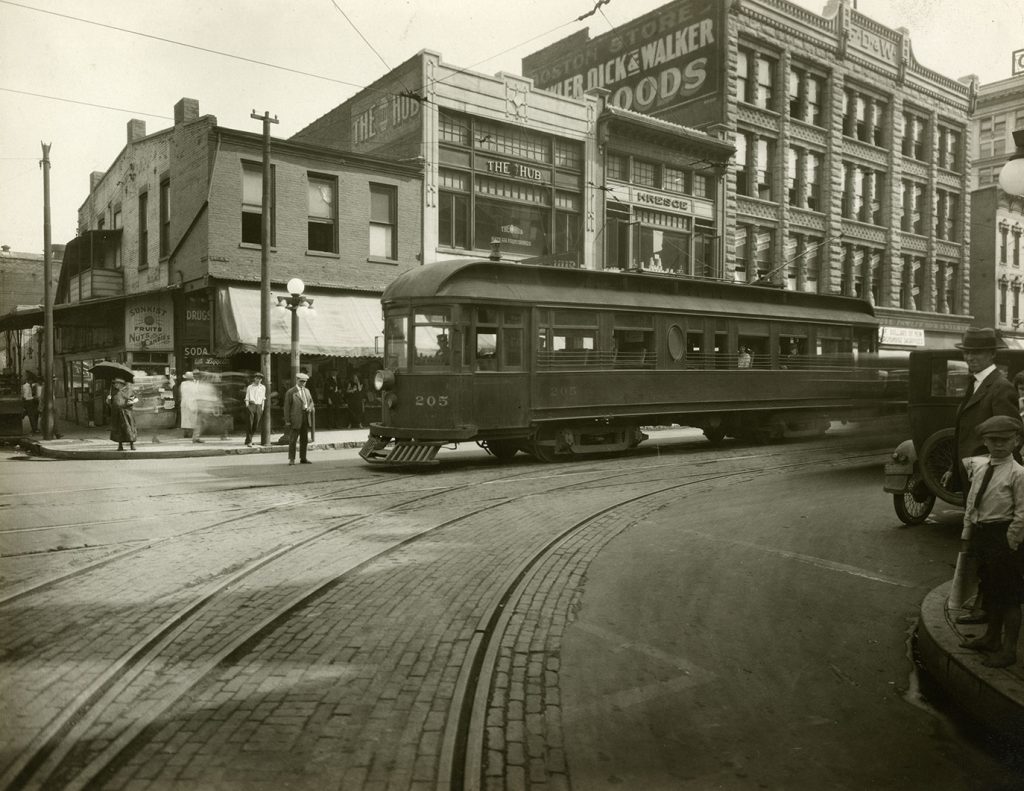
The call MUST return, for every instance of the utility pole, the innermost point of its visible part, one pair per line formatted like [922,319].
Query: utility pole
[264,341]
[48,377]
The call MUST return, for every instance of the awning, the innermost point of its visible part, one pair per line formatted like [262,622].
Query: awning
[338,326]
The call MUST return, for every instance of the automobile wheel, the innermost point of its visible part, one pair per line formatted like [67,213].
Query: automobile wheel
[910,509]
[937,455]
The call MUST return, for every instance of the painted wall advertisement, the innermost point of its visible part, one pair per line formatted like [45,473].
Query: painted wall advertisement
[149,324]
[667,63]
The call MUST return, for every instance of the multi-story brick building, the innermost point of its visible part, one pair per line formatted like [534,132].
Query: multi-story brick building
[506,164]
[165,272]
[851,172]
[997,219]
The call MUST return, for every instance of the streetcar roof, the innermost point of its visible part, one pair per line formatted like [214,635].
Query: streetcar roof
[498,281]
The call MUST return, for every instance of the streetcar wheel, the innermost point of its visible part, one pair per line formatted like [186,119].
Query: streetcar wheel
[910,509]
[714,434]
[502,449]
[544,446]
[936,458]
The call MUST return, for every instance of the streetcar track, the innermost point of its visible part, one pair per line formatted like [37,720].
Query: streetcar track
[55,743]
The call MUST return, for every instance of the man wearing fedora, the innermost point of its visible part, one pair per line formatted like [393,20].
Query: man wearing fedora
[298,411]
[988,394]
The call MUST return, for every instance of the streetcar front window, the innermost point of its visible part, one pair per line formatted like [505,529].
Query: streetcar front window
[433,338]
[395,343]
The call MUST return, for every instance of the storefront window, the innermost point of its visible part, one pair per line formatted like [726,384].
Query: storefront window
[517,228]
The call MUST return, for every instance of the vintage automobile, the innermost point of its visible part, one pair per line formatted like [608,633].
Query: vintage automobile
[937,382]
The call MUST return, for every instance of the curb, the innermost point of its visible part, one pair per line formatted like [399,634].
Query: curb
[993,697]
[36,448]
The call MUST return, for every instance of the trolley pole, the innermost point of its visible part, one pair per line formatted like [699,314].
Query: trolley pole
[264,341]
[48,376]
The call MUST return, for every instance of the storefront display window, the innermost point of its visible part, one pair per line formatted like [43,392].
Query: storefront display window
[503,189]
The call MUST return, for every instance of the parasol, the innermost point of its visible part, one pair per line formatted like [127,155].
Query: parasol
[111,370]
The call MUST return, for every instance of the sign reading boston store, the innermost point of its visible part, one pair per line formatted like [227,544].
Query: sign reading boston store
[667,63]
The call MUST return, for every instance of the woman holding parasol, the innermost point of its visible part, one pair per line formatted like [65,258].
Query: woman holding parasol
[122,419]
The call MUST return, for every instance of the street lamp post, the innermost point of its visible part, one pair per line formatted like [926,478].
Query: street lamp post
[292,303]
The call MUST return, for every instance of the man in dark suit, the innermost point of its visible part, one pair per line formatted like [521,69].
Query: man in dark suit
[298,413]
[989,393]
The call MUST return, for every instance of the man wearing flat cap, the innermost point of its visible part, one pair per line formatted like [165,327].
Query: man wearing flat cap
[298,414]
[988,394]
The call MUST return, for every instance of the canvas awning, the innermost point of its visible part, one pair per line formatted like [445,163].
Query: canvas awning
[338,326]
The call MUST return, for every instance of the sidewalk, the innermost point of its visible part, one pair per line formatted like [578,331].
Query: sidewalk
[94,443]
[992,697]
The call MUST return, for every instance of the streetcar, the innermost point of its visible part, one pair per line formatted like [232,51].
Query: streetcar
[562,363]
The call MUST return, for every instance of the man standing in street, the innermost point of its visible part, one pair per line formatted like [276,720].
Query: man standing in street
[298,412]
[255,398]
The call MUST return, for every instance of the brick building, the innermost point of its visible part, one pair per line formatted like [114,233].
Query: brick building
[851,172]
[997,219]
[165,272]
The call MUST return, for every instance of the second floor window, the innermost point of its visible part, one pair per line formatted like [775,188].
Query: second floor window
[806,93]
[383,222]
[755,82]
[915,135]
[950,142]
[143,230]
[165,218]
[321,235]
[252,204]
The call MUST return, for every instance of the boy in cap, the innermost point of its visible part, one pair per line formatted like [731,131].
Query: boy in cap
[994,518]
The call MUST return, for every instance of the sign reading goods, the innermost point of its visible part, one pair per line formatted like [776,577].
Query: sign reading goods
[652,65]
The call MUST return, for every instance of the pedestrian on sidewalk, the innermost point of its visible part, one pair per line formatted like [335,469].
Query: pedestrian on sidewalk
[122,401]
[354,398]
[298,417]
[335,401]
[189,401]
[255,398]
[995,514]
[30,401]
[208,406]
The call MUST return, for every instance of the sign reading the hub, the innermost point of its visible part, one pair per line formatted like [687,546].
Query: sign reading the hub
[517,170]
[657,64]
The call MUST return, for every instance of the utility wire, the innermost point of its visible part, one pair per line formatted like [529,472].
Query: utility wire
[180,43]
[87,104]
[360,34]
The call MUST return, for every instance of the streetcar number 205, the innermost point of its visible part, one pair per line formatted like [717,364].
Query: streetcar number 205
[429,400]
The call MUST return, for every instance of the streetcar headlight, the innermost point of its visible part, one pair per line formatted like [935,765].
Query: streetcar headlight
[384,379]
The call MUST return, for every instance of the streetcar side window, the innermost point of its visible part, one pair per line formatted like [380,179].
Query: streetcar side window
[695,350]
[633,339]
[396,348]
[433,338]
[498,343]
[567,339]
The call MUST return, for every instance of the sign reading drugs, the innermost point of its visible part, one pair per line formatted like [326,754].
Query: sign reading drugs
[667,63]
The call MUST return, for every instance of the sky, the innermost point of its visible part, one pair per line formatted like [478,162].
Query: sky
[72,76]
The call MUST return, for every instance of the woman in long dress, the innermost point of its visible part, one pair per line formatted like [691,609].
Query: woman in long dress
[189,401]
[122,419]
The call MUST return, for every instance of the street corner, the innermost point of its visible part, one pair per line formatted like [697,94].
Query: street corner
[993,697]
